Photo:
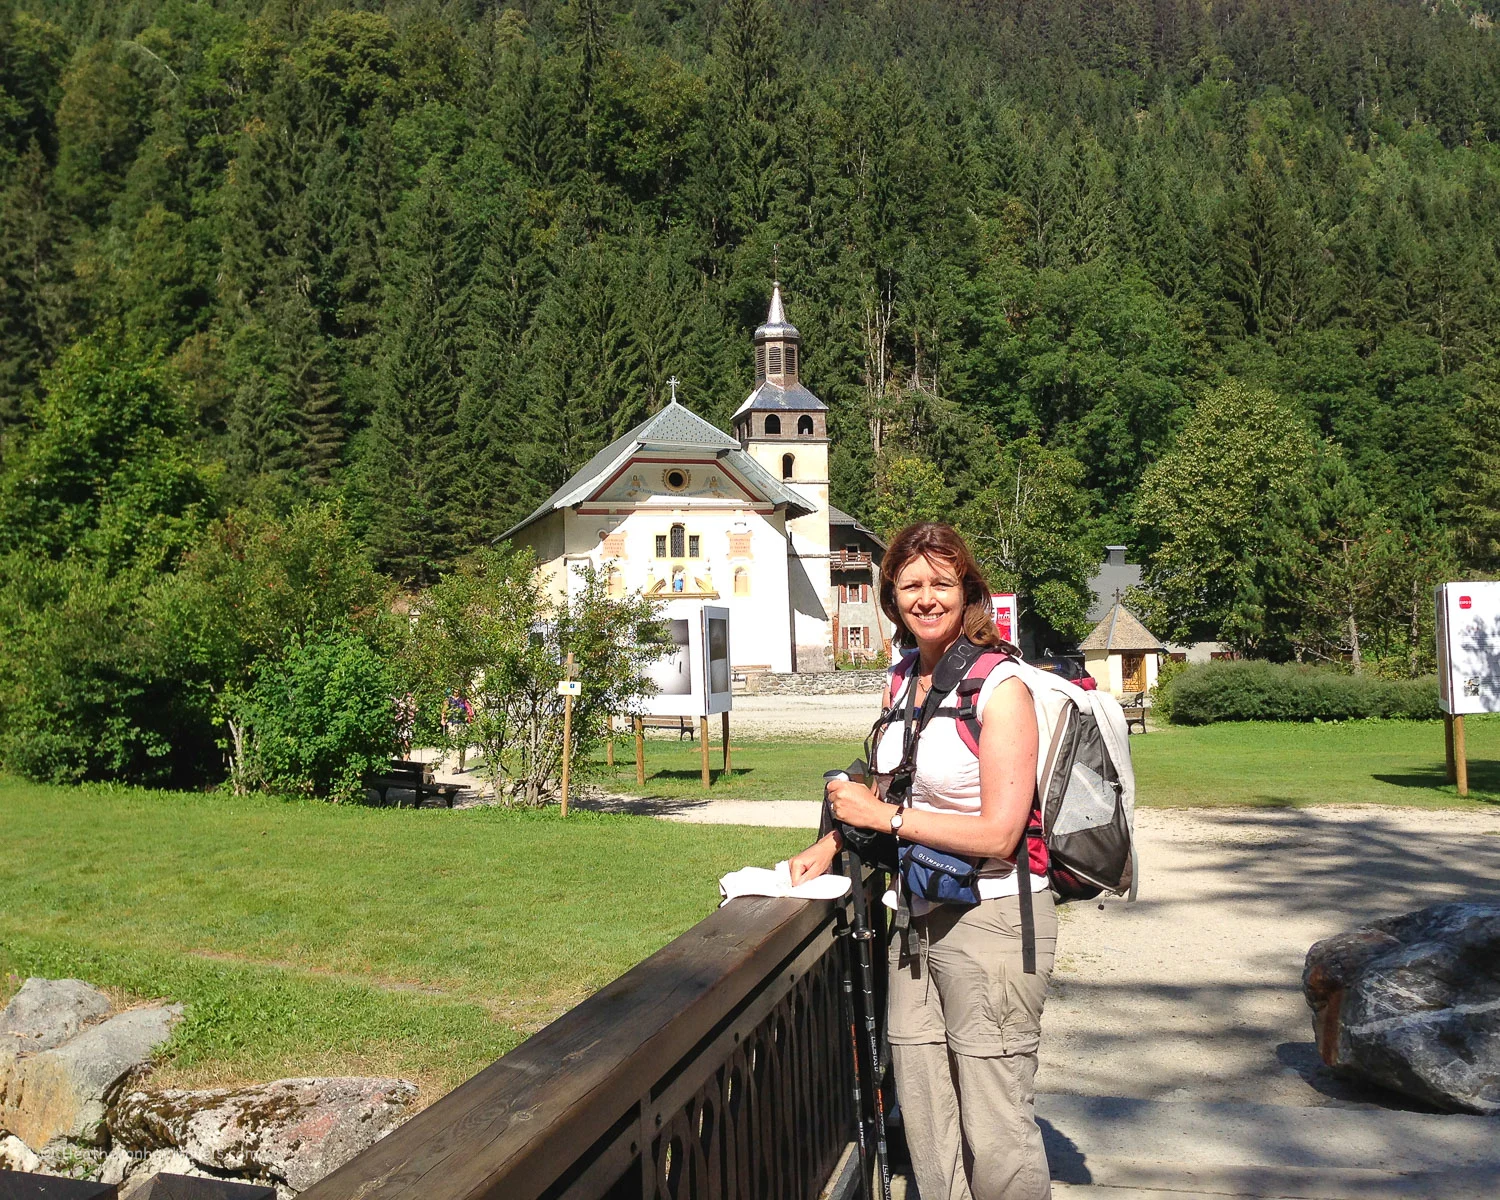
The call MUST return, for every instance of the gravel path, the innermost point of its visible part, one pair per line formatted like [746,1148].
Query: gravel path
[1194,992]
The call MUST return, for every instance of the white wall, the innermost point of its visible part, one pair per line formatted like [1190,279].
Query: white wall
[759,624]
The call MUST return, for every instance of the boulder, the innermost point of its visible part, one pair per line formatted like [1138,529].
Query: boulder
[62,1093]
[16,1155]
[1412,1003]
[117,1164]
[293,1131]
[138,1178]
[47,1012]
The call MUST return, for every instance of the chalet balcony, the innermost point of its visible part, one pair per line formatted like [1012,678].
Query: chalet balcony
[844,560]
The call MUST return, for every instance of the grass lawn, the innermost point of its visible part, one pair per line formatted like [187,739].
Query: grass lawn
[1262,762]
[310,938]
[759,770]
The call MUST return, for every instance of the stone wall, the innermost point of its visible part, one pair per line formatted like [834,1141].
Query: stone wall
[808,683]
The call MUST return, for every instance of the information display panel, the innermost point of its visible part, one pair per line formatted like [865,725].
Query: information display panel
[1005,616]
[1468,647]
[694,679]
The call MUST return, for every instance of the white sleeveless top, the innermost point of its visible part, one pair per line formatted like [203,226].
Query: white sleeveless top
[947,781]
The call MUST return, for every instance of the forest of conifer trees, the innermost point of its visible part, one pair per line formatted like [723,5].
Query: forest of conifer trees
[1212,278]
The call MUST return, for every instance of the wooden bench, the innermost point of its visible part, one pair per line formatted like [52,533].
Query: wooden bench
[1135,706]
[683,725]
[403,774]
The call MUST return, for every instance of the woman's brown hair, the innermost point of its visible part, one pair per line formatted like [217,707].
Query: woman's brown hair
[939,543]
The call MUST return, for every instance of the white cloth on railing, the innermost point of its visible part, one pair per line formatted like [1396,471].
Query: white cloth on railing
[777,881]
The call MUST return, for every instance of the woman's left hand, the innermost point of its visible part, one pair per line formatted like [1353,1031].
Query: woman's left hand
[855,804]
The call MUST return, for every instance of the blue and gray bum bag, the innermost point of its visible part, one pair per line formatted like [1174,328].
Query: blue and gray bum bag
[938,876]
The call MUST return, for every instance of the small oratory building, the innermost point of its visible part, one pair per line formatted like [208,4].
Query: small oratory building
[1122,654]
[677,507]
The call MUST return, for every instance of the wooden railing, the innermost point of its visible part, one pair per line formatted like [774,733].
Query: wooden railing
[848,558]
[721,1067]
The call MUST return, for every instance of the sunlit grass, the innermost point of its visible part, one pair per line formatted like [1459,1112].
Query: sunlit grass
[307,937]
[1262,762]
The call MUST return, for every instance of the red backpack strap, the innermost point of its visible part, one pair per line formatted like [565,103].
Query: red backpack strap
[969,687]
[901,673]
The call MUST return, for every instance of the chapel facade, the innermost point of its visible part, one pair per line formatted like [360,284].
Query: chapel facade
[682,510]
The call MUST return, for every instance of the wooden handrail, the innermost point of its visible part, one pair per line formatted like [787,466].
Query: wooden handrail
[613,1086]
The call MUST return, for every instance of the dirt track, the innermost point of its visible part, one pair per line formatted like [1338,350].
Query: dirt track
[1194,991]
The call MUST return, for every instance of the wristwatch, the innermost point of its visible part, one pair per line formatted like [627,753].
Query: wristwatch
[896,822]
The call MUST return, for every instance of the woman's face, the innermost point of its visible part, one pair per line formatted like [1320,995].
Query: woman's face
[930,598]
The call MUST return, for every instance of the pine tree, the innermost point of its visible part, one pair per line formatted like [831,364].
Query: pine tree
[280,282]
[413,464]
[1476,493]
[34,292]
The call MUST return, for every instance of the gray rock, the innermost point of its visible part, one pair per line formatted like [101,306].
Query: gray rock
[47,1012]
[293,1131]
[1412,1003]
[117,1164]
[159,1162]
[62,1093]
[16,1155]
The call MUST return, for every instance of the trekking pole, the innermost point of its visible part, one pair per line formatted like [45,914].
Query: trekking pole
[863,935]
[842,931]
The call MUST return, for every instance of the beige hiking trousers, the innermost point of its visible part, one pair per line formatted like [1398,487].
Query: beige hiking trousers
[965,1023]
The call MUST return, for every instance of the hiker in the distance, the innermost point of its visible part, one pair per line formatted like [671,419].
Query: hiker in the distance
[964,1017]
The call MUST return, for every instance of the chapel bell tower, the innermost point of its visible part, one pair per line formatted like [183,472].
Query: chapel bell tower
[784,427]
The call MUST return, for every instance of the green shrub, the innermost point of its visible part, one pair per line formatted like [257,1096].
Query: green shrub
[1262,691]
[321,717]
[1162,695]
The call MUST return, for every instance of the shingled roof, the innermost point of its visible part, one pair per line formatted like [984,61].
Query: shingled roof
[673,428]
[1121,629]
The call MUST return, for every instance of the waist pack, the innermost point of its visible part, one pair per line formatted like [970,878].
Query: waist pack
[937,875]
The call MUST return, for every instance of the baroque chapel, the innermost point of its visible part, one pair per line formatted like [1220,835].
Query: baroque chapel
[682,510]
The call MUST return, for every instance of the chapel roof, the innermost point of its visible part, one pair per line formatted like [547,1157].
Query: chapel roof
[1120,629]
[673,428]
[776,325]
[770,398]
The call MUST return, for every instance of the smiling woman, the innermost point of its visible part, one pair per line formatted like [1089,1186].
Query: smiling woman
[964,1004]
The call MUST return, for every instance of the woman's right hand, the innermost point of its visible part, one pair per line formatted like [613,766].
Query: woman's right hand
[815,860]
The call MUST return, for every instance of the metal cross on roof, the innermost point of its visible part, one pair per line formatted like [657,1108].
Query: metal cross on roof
[672,383]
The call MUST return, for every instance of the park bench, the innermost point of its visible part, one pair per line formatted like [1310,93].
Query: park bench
[683,725]
[403,774]
[1135,706]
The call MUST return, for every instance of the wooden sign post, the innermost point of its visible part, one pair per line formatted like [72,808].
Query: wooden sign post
[640,753]
[1458,757]
[703,740]
[567,689]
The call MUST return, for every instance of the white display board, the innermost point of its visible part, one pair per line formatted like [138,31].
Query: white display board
[1005,616]
[1468,647]
[694,680]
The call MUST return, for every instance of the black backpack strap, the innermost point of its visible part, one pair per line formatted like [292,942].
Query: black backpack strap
[1028,918]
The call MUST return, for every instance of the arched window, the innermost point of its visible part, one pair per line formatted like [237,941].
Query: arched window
[679,540]
[773,424]
[791,360]
[760,364]
[804,425]
[616,581]
[741,581]
[786,466]
[775,364]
